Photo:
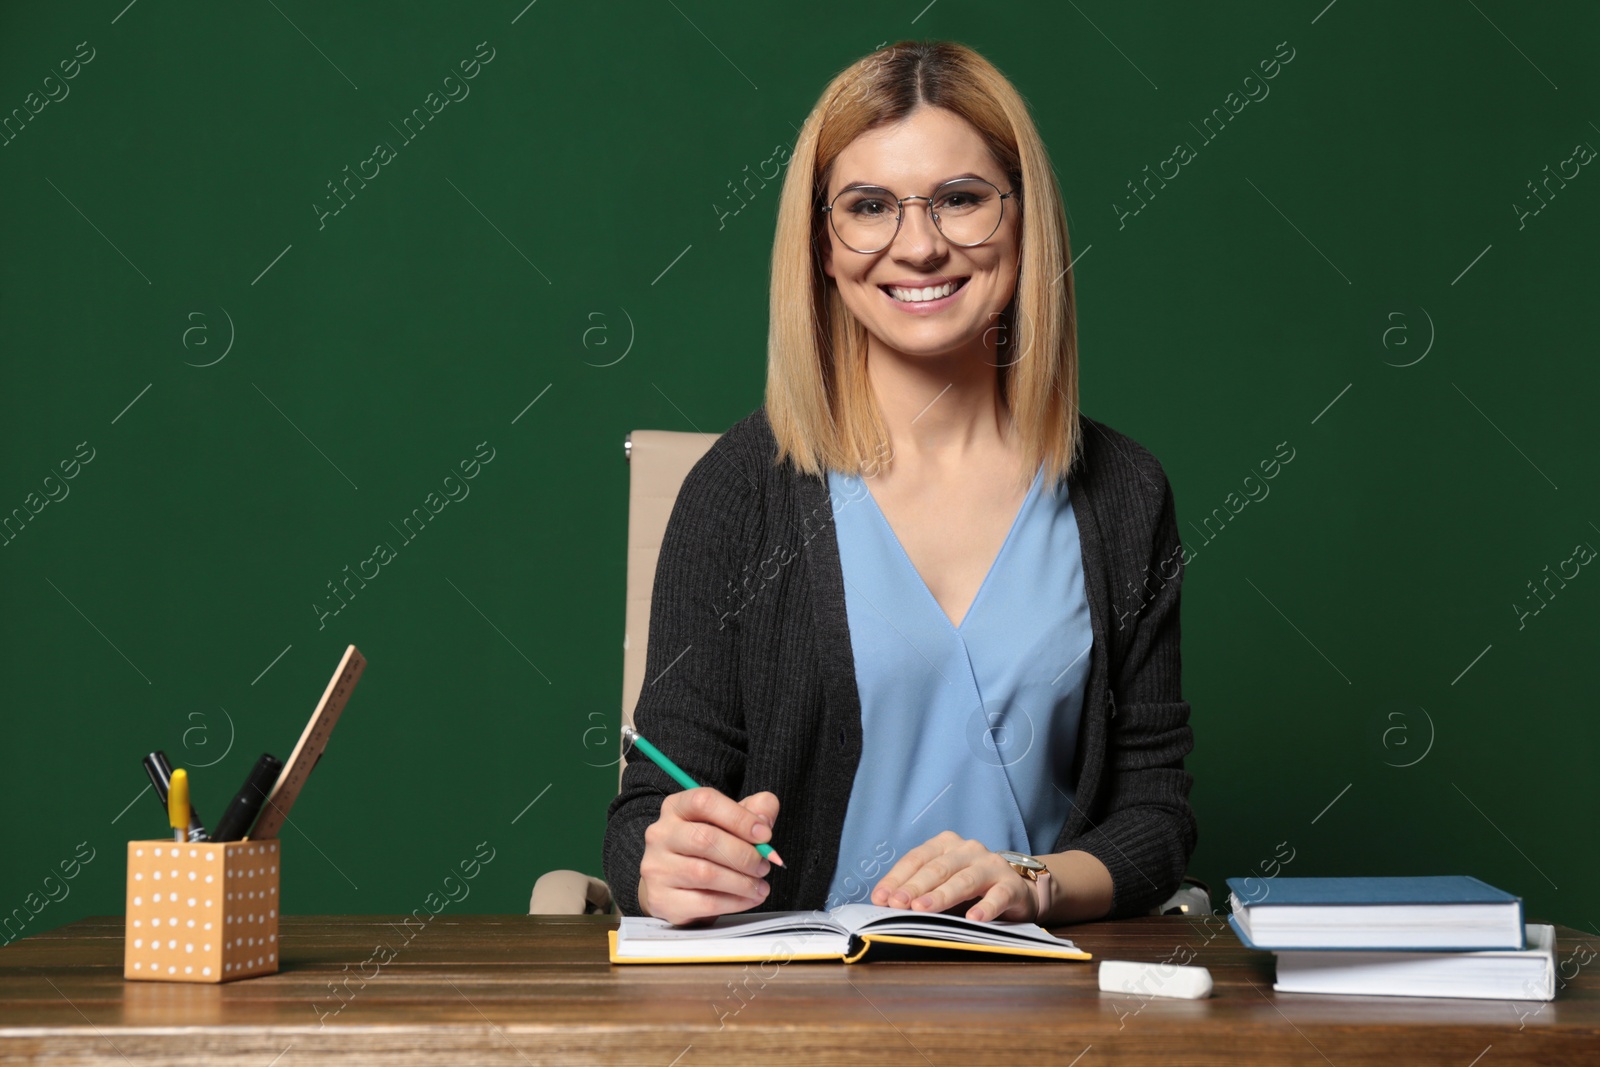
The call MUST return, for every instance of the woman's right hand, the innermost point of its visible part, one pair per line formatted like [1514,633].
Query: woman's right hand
[699,861]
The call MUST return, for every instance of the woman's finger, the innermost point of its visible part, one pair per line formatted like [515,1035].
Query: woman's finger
[939,870]
[704,804]
[702,875]
[884,893]
[681,906]
[765,805]
[715,845]
[964,883]
[1001,898]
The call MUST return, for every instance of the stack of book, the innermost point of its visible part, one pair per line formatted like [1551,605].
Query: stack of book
[1427,936]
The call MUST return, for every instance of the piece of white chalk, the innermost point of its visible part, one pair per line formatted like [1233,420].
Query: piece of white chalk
[1154,979]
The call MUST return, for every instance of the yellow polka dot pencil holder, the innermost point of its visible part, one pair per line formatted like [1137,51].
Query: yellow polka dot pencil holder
[201,912]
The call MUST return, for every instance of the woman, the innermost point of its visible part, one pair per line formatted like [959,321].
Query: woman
[916,611]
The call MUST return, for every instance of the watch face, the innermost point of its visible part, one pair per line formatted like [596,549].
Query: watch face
[1022,861]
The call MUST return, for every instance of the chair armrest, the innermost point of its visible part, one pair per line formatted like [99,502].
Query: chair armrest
[1192,898]
[569,893]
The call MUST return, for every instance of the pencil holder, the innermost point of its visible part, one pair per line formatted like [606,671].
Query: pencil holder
[201,912]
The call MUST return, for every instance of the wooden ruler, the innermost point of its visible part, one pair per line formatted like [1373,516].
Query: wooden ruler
[313,740]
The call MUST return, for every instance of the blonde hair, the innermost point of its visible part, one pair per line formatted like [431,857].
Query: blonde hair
[819,401]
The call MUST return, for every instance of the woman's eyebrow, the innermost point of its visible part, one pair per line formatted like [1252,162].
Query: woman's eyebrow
[875,185]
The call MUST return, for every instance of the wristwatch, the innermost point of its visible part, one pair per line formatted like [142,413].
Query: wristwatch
[1036,873]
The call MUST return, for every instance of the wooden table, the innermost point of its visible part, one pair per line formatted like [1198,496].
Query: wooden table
[521,990]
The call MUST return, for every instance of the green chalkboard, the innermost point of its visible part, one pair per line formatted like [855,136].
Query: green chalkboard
[277,277]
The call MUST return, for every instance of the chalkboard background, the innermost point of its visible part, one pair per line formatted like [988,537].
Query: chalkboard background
[1376,267]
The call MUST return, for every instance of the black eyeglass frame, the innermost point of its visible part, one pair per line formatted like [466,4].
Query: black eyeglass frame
[900,212]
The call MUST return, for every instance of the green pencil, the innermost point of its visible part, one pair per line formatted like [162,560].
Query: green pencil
[635,738]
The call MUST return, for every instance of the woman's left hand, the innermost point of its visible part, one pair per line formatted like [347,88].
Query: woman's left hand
[948,869]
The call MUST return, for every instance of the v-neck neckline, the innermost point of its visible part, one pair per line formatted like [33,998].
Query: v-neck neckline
[994,564]
[822,576]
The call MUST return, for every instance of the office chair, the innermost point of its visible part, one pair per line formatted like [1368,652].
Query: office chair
[658,462]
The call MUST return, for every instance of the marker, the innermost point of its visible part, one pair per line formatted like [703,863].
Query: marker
[159,768]
[246,805]
[178,805]
[636,739]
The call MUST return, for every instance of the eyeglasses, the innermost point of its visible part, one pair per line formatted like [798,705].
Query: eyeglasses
[967,211]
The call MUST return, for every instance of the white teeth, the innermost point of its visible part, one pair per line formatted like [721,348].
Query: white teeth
[917,296]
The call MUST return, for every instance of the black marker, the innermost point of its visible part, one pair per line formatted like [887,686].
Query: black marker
[242,812]
[159,768]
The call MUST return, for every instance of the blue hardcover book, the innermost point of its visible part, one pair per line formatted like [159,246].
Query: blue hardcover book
[1422,913]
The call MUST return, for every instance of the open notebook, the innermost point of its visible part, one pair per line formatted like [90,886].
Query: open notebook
[845,933]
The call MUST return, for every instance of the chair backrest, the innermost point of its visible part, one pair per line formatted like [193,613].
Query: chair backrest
[658,461]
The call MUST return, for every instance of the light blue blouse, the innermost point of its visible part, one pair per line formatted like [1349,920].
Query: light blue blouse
[970,728]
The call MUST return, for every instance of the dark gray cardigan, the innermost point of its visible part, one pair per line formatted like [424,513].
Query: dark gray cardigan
[750,676]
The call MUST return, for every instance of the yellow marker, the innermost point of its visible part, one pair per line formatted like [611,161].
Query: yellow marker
[178,805]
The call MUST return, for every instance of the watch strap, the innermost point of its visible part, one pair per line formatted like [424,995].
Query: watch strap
[1041,895]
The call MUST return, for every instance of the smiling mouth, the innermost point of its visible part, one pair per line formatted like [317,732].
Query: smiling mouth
[925,295]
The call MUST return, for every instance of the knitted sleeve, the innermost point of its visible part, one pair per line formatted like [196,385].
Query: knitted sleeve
[1148,830]
[689,704]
